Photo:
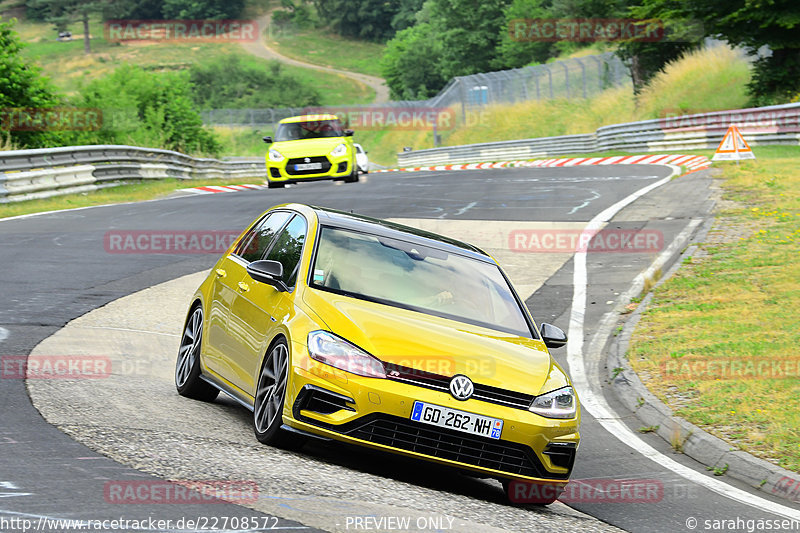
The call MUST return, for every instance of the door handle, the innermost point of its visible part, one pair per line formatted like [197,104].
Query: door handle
[244,287]
[221,273]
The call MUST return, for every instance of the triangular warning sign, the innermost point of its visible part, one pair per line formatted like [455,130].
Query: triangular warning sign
[733,147]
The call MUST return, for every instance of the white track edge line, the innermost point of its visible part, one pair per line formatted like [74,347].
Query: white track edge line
[597,406]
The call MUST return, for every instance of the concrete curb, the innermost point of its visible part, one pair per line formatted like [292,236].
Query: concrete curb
[696,443]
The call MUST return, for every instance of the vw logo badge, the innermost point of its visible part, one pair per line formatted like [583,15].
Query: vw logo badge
[461,387]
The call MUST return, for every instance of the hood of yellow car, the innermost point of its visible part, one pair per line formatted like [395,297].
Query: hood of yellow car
[307,147]
[438,345]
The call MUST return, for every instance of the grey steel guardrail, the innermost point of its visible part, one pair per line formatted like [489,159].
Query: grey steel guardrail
[778,124]
[41,173]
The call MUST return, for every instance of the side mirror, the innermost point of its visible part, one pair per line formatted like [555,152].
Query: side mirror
[348,133]
[553,337]
[267,140]
[269,272]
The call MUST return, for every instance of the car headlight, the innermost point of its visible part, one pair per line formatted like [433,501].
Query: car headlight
[275,156]
[340,150]
[560,403]
[327,348]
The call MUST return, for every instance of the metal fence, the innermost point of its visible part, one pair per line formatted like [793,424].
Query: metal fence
[42,173]
[571,78]
[778,124]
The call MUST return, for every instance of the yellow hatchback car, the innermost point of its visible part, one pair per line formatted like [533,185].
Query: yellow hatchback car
[337,326]
[308,148]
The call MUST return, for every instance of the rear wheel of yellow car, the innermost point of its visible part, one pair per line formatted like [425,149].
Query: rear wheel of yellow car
[270,397]
[187,366]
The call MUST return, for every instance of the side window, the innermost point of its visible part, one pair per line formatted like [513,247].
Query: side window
[255,243]
[288,248]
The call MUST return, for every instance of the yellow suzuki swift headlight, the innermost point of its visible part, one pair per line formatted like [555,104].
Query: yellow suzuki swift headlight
[340,150]
[275,156]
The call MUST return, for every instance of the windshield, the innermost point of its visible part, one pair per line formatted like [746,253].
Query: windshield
[403,274]
[293,131]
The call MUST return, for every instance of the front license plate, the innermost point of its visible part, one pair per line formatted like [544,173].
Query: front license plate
[308,166]
[445,417]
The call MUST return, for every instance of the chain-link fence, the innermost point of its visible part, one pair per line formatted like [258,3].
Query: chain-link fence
[571,78]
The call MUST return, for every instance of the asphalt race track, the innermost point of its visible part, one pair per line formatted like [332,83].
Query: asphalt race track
[56,267]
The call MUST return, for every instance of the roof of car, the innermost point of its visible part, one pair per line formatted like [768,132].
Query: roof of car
[384,228]
[309,118]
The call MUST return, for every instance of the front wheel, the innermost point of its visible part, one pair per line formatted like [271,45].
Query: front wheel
[274,184]
[187,367]
[270,398]
[353,177]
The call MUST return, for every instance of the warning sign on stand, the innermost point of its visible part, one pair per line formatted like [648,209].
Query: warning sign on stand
[733,147]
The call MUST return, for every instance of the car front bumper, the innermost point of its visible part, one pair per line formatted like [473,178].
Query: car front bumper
[376,413]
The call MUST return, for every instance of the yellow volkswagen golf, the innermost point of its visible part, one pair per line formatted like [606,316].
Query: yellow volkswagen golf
[338,326]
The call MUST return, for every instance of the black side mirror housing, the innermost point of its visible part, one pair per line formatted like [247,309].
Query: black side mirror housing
[267,139]
[348,133]
[269,272]
[553,336]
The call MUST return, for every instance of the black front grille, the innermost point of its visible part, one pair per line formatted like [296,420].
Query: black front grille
[429,380]
[504,456]
[326,165]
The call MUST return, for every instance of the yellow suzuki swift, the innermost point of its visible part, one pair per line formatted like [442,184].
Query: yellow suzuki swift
[338,326]
[308,148]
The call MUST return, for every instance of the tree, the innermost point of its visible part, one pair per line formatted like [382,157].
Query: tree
[515,50]
[362,19]
[406,15]
[752,24]
[22,86]
[469,33]
[230,83]
[202,9]
[410,63]
[63,13]
[146,109]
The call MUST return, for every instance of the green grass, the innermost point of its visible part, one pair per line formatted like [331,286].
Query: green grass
[69,68]
[736,300]
[328,49]
[128,192]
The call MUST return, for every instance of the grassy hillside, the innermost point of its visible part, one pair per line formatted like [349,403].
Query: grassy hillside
[329,50]
[68,67]
[704,80]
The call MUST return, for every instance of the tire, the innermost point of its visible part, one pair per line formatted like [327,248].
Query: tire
[274,184]
[187,366]
[270,398]
[353,177]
